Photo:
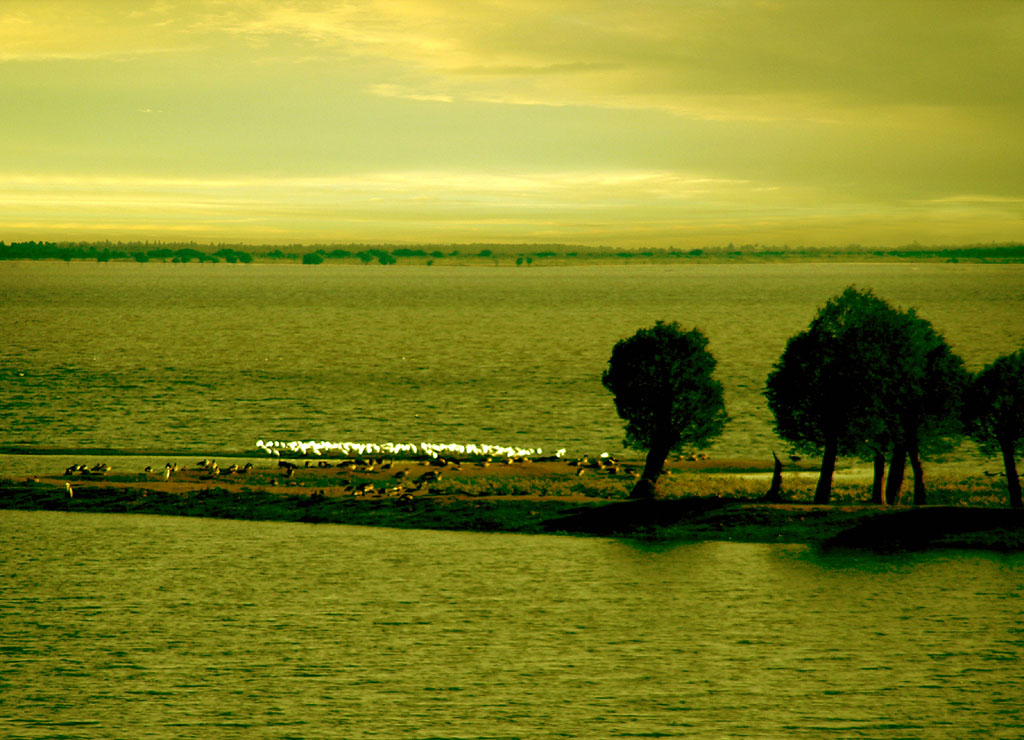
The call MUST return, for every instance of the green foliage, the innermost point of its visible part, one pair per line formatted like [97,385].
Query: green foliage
[312,258]
[866,375]
[994,407]
[187,254]
[824,387]
[662,381]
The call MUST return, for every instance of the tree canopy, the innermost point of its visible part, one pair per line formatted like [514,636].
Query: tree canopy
[994,414]
[662,380]
[866,379]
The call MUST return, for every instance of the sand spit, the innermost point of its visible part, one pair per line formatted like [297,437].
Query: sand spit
[702,500]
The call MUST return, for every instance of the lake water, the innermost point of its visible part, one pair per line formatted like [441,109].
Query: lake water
[115,626]
[170,357]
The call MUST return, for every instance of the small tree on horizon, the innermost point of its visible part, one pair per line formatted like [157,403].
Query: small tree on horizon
[662,381]
[994,415]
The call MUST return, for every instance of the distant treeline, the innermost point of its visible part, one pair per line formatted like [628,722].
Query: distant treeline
[518,254]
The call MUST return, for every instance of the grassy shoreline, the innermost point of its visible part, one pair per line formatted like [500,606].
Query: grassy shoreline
[699,504]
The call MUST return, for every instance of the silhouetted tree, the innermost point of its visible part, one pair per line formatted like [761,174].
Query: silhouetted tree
[865,379]
[823,390]
[923,406]
[662,381]
[994,414]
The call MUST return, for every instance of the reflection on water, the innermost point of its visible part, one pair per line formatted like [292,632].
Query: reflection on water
[118,626]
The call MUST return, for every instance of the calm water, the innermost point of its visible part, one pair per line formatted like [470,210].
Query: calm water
[115,626]
[165,357]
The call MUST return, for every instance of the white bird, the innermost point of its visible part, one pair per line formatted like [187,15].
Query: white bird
[69,489]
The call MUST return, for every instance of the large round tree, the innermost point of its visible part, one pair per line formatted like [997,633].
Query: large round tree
[662,381]
[863,379]
[824,390]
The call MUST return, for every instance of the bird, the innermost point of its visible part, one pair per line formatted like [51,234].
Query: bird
[69,489]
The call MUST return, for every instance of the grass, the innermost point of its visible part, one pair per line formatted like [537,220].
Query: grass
[969,512]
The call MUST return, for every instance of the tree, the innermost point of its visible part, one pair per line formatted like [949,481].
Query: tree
[923,405]
[994,414]
[662,381]
[823,390]
[866,379]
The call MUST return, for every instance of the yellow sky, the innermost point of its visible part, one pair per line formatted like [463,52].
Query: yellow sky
[651,123]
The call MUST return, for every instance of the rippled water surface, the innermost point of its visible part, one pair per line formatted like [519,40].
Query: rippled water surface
[213,357]
[115,626]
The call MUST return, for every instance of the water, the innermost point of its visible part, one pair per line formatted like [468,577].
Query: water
[162,357]
[119,626]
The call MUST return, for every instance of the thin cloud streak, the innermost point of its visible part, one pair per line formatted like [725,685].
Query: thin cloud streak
[624,208]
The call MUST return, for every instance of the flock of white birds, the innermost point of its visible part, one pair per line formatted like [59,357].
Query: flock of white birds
[410,449]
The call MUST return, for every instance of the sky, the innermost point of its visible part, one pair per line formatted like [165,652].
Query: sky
[652,123]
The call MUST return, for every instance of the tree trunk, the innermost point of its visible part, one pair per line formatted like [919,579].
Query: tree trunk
[920,499]
[646,487]
[897,467]
[878,484]
[828,466]
[775,492]
[1012,479]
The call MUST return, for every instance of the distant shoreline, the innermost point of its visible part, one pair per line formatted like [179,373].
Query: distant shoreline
[540,498]
[503,255]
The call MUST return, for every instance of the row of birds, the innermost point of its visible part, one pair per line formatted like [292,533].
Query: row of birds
[602,464]
[85,470]
[208,466]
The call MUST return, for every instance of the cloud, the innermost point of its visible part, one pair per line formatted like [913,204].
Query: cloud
[389,90]
[40,30]
[759,60]
[618,207]
[753,61]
